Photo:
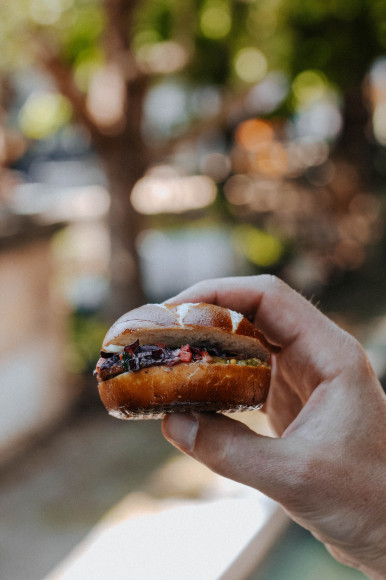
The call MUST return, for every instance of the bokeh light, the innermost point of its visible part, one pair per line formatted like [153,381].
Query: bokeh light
[252,133]
[268,94]
[309,86]
[251,65]
[379,123]
[162,57]
[164,190]
[43,114]
[166,109]
[87,63]
[107,86]
[48,12]
[271,160]
[215,20]
[216,165]
[260,247]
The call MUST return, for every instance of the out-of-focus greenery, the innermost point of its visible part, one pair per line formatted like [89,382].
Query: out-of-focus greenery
[261,248]
[86,334]
[43,114]
[279,88]
[341,38]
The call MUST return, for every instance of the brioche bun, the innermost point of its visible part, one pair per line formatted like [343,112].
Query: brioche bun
[202,385]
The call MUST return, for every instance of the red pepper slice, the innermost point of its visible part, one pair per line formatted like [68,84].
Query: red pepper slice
[205,356]
[185,354]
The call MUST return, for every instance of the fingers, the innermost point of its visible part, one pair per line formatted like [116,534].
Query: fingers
[231,449]
[242,294]
[284,316]
[279,310]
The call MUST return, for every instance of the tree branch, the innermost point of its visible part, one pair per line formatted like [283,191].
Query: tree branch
[64,80]
[117,37]
[119,15]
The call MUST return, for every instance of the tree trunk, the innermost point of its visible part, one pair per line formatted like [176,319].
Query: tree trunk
[124,225]
[125,159]
[353,145]
[120,146]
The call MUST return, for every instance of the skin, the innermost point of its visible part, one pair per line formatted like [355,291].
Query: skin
[327,467]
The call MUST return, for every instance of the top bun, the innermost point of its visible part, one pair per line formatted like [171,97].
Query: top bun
[177,324]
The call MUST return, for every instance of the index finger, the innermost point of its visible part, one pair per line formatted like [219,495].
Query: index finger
[241,293]
[285,317]
[265,300]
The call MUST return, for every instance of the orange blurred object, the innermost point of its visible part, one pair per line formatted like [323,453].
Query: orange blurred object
[271,160]
[252,133]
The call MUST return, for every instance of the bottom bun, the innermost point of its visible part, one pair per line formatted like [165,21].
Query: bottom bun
[154,391]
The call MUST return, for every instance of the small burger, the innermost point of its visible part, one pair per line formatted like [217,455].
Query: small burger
[166,358]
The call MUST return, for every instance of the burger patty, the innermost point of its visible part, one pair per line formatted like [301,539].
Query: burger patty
[136,357]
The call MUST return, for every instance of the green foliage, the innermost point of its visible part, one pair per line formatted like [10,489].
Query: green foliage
[43,114]
[212,61]
[86,63]
[164,19]
[86,333]
[317,11]
[13,19]
[378,11]
[339,37]
[259,247]
[85,31]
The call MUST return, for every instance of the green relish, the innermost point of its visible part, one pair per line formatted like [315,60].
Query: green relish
[250,362]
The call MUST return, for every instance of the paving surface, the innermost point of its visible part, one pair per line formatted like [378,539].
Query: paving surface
[52,496]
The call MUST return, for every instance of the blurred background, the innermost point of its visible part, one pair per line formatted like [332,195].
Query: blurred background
[145,146]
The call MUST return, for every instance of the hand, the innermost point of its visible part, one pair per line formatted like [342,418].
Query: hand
[328,468]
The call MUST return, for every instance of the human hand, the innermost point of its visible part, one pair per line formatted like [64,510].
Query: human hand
[328,468]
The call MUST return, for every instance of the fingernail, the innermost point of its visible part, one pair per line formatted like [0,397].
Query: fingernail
[181,429]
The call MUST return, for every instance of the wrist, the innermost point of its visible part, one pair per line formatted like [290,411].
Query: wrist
[376,570]
[374,567]
[371,561]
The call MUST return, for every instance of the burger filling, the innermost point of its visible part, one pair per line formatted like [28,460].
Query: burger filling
[136,357]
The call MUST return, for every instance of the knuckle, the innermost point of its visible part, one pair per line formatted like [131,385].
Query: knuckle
[202,284]
[218,446]
[272,285]
[221,456]
[270,281]
[202,288]
[357,356]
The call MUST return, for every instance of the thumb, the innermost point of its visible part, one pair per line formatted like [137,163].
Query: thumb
[231,449]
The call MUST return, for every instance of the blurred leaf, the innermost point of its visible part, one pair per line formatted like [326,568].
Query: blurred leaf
[43,114]
[259,247]
[215,19]
[84,32]
[86,333]
[87,63]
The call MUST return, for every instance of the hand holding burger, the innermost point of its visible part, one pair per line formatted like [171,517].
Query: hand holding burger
[328,466]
